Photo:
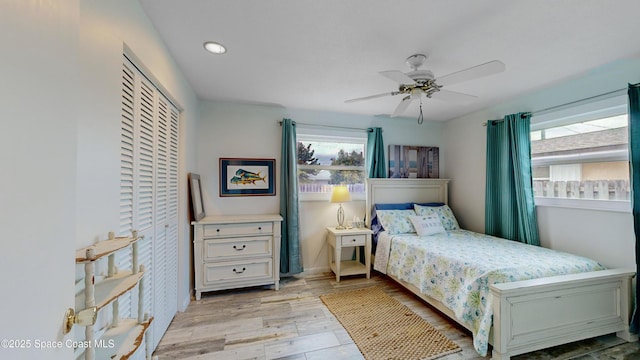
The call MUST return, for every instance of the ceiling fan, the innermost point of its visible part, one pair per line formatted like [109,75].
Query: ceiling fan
[417,82]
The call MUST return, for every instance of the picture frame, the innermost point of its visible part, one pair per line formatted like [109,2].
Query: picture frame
[197,205]
[247,177]
[407,161]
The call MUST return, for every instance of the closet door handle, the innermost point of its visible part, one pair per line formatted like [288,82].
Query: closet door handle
[240,249]
[239,272]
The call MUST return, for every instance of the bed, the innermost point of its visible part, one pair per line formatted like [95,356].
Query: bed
[516,316]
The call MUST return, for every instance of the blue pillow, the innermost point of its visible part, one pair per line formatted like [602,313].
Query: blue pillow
[430,204]
[401,206]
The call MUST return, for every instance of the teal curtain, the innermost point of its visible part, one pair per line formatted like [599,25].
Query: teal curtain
[290,260]
[376,167]
[509,207]
[634,172]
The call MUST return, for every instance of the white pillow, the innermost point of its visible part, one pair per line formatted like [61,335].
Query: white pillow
[427,225]
[444,212]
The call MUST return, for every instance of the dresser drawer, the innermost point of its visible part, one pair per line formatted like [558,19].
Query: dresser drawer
[353,240]
[237,270]
[221,249]
[224,230]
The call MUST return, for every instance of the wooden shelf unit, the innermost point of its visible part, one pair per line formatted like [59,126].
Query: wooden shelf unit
[124,335]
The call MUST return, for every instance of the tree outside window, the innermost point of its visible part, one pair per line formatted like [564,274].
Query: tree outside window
[327,161]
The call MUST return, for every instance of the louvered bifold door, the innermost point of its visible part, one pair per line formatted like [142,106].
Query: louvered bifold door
[162,318]
[149,193]
[137,153]
[172,212]
[126,152]
[166,216]
[127,182]
[145,188]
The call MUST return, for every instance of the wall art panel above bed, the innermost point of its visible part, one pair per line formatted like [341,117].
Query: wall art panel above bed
[406,161]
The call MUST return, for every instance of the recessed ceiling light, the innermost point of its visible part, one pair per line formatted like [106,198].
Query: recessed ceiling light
[215,48]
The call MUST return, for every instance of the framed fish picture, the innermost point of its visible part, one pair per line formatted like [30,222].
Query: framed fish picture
[247,177]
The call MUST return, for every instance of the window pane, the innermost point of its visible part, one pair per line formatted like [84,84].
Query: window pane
[327,153]
[322,164]
[597,180]
[599,125]
[536,135]
[584,160]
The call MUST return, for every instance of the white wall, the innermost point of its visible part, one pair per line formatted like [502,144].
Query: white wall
[38,144]
[249,130]
[106,28]
[604,236]
[59,186]
[234,130]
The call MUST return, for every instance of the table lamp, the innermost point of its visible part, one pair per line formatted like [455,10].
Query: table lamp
[339,195]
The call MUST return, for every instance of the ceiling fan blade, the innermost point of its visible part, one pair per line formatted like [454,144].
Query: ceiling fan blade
[454,97]
[486,69]
[397,76]
[404,104]
[373,96]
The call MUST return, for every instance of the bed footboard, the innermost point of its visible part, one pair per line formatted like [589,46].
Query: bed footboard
[535,314]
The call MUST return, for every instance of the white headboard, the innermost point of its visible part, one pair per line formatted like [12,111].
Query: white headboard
[391,191]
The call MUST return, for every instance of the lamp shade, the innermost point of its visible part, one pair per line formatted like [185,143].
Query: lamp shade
[340,194]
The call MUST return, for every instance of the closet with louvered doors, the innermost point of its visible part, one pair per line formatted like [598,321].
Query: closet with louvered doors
[149,191]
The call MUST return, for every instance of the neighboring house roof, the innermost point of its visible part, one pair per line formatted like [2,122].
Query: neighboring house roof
[611,139]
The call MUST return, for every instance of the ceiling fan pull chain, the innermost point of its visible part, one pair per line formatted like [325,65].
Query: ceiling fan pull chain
[420,117]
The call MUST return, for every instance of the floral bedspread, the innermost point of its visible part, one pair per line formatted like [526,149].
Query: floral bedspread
[457,268]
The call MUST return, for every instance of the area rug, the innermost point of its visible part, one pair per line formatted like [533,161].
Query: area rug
[383,328]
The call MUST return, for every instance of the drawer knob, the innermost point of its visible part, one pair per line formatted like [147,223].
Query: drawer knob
[259,227]
[240,249]
[217,230]
[239,272]
[354,240]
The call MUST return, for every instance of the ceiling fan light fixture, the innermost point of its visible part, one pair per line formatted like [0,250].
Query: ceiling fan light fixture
[415,61]
[215,48]
[417,82]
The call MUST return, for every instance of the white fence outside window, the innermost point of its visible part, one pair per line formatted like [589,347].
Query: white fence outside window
[588,189]
[327,188]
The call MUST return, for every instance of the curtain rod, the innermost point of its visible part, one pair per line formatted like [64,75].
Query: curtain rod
[326,126]
[614,92]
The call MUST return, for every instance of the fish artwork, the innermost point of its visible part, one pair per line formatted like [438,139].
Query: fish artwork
[244,177]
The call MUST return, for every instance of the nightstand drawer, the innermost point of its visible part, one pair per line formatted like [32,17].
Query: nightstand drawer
[237,229]
[220,249]
[237,270]
[353,240]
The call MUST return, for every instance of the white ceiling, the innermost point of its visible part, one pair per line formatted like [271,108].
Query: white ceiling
[315,54]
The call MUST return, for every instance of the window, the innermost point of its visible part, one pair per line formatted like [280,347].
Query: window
[325,161]
[579,156]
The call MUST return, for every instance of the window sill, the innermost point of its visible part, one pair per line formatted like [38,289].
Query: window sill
[585,204]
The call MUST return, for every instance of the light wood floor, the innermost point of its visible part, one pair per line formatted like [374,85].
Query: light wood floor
[293,324]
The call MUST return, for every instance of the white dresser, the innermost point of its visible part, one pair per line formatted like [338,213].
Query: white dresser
[234,251]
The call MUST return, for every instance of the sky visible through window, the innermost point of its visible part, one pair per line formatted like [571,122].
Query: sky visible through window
[325,151]
[581,128]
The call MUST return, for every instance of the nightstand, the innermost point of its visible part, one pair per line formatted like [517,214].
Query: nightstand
[338,239]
